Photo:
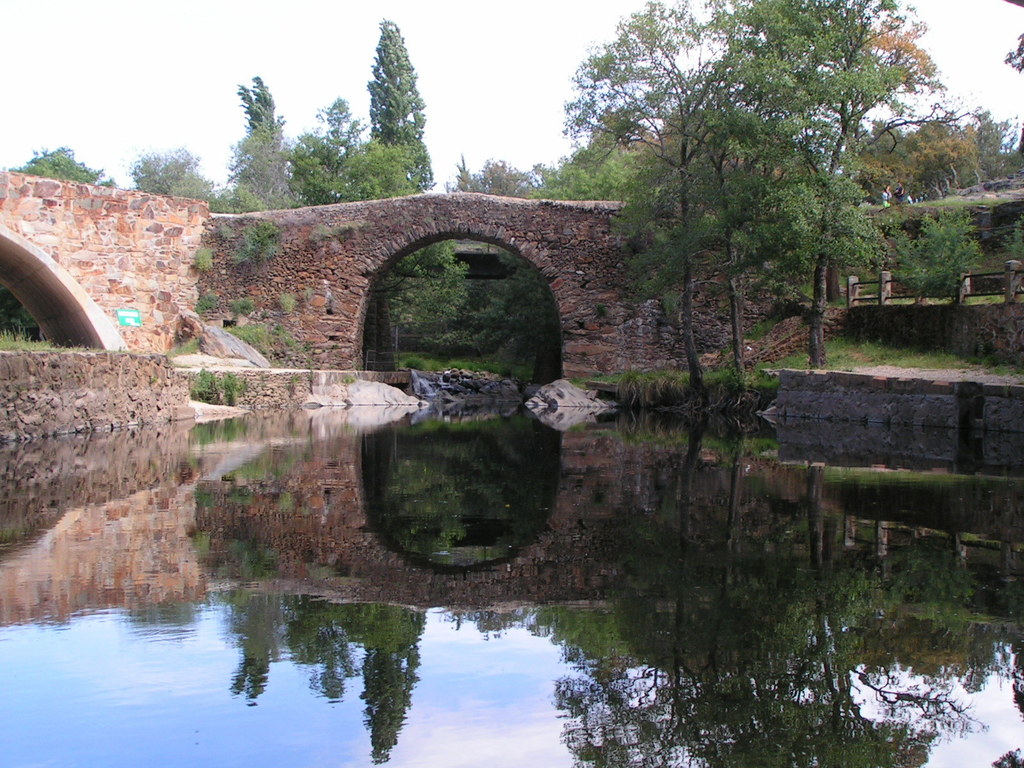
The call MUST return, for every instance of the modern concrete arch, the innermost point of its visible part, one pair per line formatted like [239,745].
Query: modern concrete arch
[331,256]
[66,314]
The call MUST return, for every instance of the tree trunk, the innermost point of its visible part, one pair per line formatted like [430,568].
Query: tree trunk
[816,341]
[689,345]
[834,290]
[736,317]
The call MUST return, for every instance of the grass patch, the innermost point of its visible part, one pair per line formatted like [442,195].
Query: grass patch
[843,354]
[271,342]
[190,347]
[13,341]
[651,389]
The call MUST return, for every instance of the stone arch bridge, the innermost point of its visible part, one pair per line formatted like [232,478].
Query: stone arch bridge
[76,254]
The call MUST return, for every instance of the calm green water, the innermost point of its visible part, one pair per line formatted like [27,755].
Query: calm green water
[302,590]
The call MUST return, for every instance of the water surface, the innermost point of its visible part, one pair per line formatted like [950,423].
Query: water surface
[297,590]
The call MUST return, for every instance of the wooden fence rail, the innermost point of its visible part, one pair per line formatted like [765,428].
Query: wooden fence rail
[1009,284]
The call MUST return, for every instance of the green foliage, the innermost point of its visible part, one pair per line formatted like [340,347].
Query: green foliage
[396,108]
[595,172]
[497,177]
[13,315]
[60,163]
[932,263]
[232,387]
[261,172]
[652,389]
[174,173]
[242,307]
[320,160]
[272,342]
[378,171]
[205,387]
[203,259]
[208,302]
[287,302]
[259,106]
[15,340]
[260,241]
[208,387]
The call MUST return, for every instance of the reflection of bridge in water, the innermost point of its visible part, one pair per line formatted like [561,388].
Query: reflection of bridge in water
[294,502]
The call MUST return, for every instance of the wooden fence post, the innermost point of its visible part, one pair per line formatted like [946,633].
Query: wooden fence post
[884,288]
[852,290]
[1011,280]
[964,290]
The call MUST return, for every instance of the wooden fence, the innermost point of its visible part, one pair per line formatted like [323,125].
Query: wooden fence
[885,289]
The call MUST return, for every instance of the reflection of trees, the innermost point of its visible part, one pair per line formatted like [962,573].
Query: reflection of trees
[336,643]
[727,649]
[462,493]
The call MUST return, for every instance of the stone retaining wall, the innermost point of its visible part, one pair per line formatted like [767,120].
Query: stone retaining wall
[977,330]
[53,393]
[853,397]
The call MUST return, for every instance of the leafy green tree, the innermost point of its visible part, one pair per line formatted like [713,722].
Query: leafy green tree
[259,106]
[60,163]
[377,171]
[598,171]
[996,140]
[932,263]
[823,66]
[13,316]
[260,168]
[320,160]
[173,173]
[497,177]
[652,88]
[396,107]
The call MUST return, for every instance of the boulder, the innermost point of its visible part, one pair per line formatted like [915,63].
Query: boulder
[332,391]
[562,393]
[219,343]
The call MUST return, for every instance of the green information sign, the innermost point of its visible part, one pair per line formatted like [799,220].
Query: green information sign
[129,317]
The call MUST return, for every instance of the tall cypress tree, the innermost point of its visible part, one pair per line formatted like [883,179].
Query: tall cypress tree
[396,108]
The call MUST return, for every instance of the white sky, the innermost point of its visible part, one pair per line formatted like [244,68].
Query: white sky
[114,78]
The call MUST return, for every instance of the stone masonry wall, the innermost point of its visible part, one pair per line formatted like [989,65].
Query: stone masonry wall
[852,397]
[127,249]
[329,258]
[982,330]
[53,393]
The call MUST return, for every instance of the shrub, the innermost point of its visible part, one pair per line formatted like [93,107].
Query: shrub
[243,306]
[232,386]
[203,260]
[205,387]
[932,263]
[260,242]
[287,302]
[208,302]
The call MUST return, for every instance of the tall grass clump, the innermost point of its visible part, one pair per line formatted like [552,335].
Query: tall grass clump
[652,389]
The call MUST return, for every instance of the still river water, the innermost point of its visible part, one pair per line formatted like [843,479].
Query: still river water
[300,590]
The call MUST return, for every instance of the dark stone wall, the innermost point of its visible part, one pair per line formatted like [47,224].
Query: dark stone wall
[980,330]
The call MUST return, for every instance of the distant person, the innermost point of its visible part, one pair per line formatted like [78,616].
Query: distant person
[899,194]
[886,196]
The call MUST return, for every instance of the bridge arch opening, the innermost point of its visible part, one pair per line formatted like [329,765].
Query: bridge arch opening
[463,297]
[64,312]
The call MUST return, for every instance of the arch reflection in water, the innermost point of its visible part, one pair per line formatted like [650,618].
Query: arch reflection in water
[461,495]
